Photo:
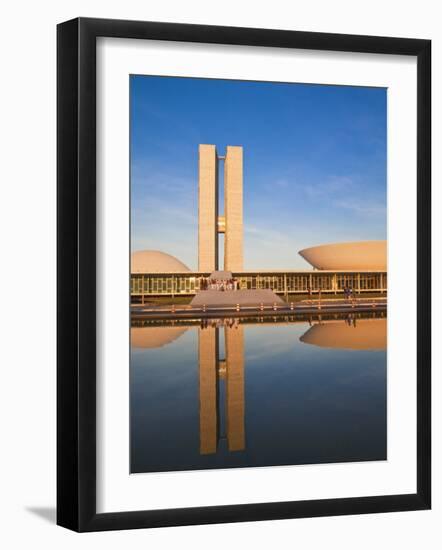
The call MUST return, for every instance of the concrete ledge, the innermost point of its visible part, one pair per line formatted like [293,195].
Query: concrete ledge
[219,298]
[219,312]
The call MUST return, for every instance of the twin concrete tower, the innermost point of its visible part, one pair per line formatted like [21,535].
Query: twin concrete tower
[210,223]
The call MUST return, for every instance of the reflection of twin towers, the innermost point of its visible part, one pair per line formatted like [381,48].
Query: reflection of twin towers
[359,335]
[225,377]
[213,372]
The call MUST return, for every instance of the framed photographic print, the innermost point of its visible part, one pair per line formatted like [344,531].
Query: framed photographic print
[243,274]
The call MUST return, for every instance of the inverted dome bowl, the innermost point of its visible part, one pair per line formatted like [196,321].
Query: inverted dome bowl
[357,256]
[366,334]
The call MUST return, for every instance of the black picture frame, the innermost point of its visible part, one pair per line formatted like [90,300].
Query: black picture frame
[76,273]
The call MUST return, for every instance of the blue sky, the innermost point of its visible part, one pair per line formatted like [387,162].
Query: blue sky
[314,163]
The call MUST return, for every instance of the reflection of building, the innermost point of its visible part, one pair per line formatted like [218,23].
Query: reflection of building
[360,334]
[210,224]
[208,376]
[154,337]
[234,338]
[214,372]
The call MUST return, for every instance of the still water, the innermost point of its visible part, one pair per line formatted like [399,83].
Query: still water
[235,393]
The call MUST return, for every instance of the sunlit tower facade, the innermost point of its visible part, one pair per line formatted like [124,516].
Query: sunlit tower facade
[210,223]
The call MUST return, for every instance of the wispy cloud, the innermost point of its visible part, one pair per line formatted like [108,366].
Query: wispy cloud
[168,209]
[313,175]
[161,182]
[268,246]
[347,193]
[280,183]
[166,223]
[332,186]
[361,207]
[266,234]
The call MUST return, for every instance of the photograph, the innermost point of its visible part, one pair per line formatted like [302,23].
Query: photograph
[226,217]
[258,273]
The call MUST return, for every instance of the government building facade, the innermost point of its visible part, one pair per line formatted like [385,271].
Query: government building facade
[359,266]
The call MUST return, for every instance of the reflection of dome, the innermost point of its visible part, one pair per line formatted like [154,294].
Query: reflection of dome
[154,261]
[154,337]
[366,334]
[361,256]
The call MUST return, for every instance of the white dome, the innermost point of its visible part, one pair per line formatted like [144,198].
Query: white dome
[154,261]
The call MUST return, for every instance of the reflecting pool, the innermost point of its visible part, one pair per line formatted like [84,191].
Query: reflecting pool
[226,393]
